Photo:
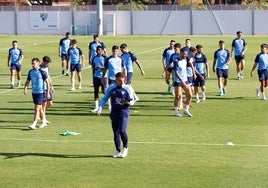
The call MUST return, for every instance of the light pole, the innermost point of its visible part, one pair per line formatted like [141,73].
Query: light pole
[15,17]
[99,17]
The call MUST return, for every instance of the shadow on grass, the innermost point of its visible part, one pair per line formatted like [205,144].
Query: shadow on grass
[52,155]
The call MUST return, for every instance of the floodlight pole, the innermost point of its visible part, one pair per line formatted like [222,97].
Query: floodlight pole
[131,17]
[15,17]
[99,17]
[191,18]
[253,17]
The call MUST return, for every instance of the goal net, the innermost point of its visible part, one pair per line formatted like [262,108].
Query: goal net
[80,29]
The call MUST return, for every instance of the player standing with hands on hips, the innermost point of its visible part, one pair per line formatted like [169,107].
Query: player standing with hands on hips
[120,95]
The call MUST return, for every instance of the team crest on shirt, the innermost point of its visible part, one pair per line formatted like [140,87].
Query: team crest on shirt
[44,16]
[123,92]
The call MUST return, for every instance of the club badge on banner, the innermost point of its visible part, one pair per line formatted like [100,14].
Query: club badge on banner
[44,20]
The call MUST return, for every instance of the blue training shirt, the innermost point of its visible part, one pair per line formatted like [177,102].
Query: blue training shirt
[222,57]
[262,60]
[93,47]
[200,62]
[98,65]
[129,58]
[65,45]
[114,66]
[15,55]
[180,66]
[167,54]
[37,78]
[239,45]
[172,58]
[118,95]
[74,55]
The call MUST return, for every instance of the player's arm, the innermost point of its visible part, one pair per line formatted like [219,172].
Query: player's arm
[232,50]
[193,69]
[26,85]
[141,69]
[8,60]
[253,68]
[207,70]
[229,59]
[214,64]
[48,88]
[104,51]
[21,58]
[104,100]
[59,50]
[245,48]
[125,72]
[89,56]
[83,60]
[163,63]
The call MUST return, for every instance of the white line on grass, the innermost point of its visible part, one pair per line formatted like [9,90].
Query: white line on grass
[149,143]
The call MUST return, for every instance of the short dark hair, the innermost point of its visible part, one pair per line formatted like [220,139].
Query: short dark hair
[46,59]
[115,47]
[99,47]
[67,33]
[119,75]
[199,46]
[239,32]
[177,45]
[124,45]
[192,49]
[221,41]
[264,45]
[74,41]
[35,59]
[183,49]
[95,36]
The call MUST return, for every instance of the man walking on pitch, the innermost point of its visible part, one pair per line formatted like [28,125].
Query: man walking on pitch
[165,62]
[14,60]
[120,95]
[75,55]
[38,79]
[129,59]
[239,47]
[222,58]
[64,45]
[97,65]
[261,61]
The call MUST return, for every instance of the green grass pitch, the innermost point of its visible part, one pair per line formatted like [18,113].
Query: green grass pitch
[164,151]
